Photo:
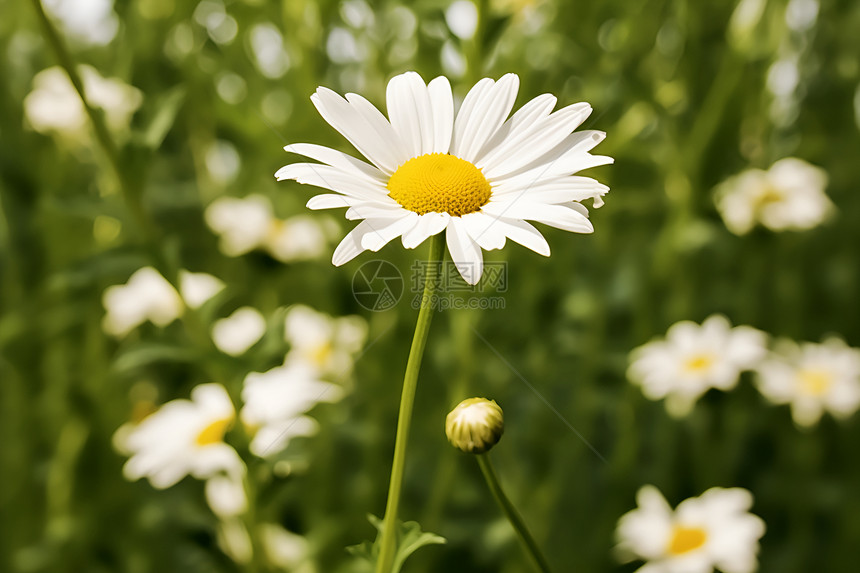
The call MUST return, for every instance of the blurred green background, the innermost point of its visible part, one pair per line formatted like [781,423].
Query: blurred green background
[688,94]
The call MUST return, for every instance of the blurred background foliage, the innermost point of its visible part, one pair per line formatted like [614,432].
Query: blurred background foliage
[689,93]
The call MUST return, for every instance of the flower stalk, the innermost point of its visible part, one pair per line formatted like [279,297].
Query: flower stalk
[512,514]
[407,399]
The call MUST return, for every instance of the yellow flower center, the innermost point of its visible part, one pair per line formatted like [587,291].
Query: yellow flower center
[815,382]
[320,354]
[686,539]
[698,363]
[439,183]
[769,196]
[214,432]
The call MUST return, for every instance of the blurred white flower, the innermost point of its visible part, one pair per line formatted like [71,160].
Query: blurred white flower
[813,378]
[284,549]
[238,332]
[197,288]
[250,223]
[147,296]
[54,105]
[462,18]
[242,224]
[788,196]
[184,437]
[326,344]
[714,530]
[226,496]
[276,402]
[267,47]
[87,21]
[692,359]
[299,238]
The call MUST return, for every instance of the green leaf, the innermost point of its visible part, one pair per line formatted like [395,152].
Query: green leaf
[410,538]
[168,108]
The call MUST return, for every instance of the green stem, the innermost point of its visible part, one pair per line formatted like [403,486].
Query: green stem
[407,398]
[512,514]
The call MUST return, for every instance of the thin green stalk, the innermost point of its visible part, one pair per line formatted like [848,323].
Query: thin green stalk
[407,398]
[512,514]
[129,189]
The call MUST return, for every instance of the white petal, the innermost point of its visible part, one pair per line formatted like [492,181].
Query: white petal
[442,101]
[330,201]
[558,190]
[350,247]
[333,179]
[520,125]
[411,113]
[532,144]
[337,159]
[368,210]
[482,229]
[564,217]
[386,229]
[382,149]
[428,225]
[382,130]
[480,121]
[523,233]
[465,252]
[568,157]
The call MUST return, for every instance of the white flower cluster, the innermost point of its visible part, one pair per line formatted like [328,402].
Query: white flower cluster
[693,358]
[788,196]
[186,437]
[249,224]
[54,107]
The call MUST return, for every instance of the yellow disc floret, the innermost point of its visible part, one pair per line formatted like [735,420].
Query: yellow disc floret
[439,183]
[214,432]
[686,539]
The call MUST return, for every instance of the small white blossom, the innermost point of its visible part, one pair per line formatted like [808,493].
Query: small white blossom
[197,288]
[284,549]
[147,296]
[276,402]
[714,530]
[788,196]
[184,437]
[693,359]
[327,344]
[54,105]
[812,378]
[88,21]
[249,224]
[238,332]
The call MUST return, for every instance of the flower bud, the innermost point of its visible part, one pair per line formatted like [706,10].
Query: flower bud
[475,425]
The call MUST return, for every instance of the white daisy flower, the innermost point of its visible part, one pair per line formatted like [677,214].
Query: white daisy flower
[325,343]
[184,437]
[147,296]
[788,196]
[812,378]
[478,174]
[693,359]
[250,224]
[714,530]
[276,402]
[285,549]
[238,332]
[54,105]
